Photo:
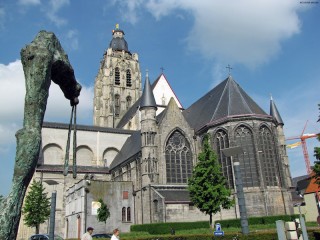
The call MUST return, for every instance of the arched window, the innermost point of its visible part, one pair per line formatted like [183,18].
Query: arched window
[123,214]
[128,214]
[128,76]
[178,158]
[116,76]
[129,99]
[155,206]
[247,159]
[221,141]
[117,105]
[267,156]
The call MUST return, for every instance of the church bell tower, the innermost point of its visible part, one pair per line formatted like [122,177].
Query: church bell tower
[118,82]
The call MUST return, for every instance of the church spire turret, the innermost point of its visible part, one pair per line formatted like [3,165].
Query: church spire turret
[148,122]
[274,112]
[147,99]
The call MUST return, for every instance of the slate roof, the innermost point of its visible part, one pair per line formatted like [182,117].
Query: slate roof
[175,196]
[130,148]
[227,99]
[275,113]
[86,128]
[80,169]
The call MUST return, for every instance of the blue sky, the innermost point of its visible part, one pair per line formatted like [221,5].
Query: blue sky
[272,46]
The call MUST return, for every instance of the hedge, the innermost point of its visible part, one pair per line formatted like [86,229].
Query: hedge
[165,228]
[257,220]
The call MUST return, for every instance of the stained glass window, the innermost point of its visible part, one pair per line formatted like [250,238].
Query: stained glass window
[221,141]
[267,156]
[247,159]
[178,158]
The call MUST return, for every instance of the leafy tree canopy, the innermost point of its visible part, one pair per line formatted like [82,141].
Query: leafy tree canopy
[36,207]
[207,186]
[103,211]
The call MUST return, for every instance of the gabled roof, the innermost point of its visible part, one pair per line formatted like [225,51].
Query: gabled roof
[135,107]
[275,113]
[227,99]
[313,187]
[130,148]
[162,88]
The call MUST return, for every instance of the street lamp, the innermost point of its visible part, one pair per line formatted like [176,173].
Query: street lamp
[230,152]
[53,208]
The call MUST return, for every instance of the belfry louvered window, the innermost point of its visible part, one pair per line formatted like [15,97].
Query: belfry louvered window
[178,158]
[117,76]
[117,105]
[221,141]
[247,159]
[267,156]
[128,76]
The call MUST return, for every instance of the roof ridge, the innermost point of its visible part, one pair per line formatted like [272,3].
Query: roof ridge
[242,98]
[224,89]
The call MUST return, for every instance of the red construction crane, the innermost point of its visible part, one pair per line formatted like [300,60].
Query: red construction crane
[303,138]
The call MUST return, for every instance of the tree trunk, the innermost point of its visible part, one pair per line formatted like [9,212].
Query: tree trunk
[37,228]
[210,221]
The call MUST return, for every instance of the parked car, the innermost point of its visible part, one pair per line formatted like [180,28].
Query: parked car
[44,237]
[101,235]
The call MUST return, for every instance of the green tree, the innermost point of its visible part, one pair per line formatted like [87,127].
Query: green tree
[207,186]
[103,211]
[316,167]
[1,199]
[36,207]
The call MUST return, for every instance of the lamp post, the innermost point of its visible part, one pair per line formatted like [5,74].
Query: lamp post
[52,208]
[230,152]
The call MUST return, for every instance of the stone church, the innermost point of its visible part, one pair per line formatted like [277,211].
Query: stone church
[143,146]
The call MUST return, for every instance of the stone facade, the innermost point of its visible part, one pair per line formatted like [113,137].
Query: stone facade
[117,85]
[82,204]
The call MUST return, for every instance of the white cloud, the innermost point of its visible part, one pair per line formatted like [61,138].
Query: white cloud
[52,11]
[129,9]
[12,93]
[72,39]
[245,31]
[29,2]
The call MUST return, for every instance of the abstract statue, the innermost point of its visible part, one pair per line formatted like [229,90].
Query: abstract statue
[43,59]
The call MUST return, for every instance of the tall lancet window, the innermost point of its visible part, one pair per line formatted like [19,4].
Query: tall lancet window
[129,99]
[128,76]
[268,157]
[116,76]
[116,105]
[221,141]
[178,158]
[247,159]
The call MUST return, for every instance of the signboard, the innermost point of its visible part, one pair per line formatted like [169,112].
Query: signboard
[218,231]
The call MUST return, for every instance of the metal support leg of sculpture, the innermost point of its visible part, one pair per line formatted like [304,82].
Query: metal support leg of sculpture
[43,60]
